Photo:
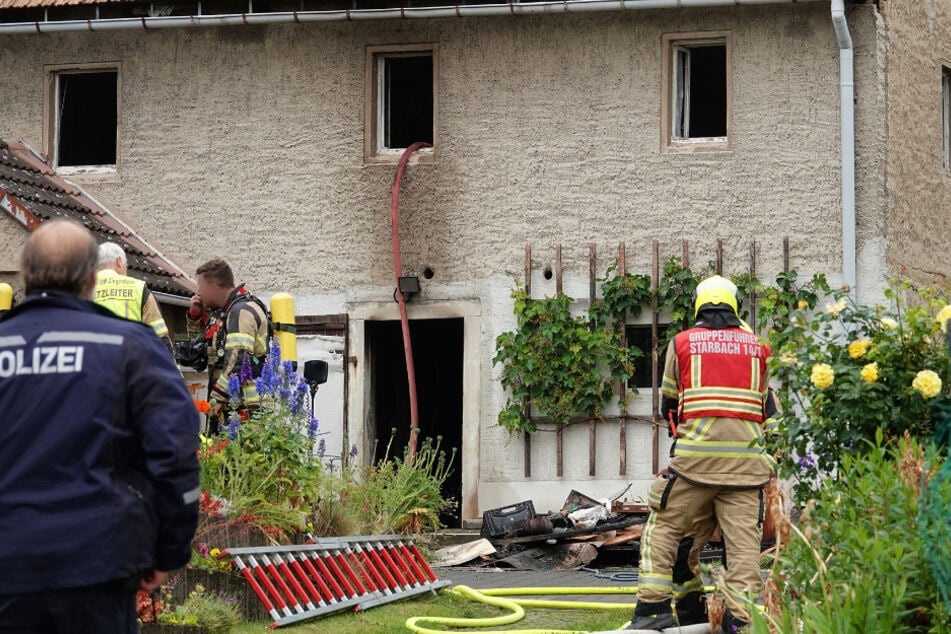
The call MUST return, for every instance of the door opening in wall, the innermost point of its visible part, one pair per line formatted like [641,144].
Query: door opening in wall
[437,353]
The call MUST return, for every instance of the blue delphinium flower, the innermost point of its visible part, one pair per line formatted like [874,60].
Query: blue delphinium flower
[245,374]
[266,384]
[284,393]
[288,367]
[234,388]
[274,356]
[297,401]
[312,428]
[233,423]
[321,448]
[353,451]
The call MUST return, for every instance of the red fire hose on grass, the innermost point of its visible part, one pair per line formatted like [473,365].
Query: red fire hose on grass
[404,319]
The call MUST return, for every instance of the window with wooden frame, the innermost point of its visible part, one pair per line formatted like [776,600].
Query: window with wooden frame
[83,118]
[401,103]
[696,92]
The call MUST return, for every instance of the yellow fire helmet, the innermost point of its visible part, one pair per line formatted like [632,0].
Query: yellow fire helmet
[715,290]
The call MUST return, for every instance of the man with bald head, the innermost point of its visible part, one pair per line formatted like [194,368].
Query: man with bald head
[98,441]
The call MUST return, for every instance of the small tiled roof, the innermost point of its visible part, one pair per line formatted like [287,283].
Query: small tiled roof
[32,193]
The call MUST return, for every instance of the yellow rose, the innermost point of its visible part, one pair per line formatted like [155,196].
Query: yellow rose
[888,322]
[869,373]
[214,552]
[822,375]
[928,383]
[833,310]
[858,348]
[803,304]
[787,359]
[942,317]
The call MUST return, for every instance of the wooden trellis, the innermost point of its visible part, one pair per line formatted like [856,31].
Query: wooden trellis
[624,417]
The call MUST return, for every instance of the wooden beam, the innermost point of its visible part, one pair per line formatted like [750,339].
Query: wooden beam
[592,297]
[655,396]
[559,433]
[526,405]
[622,389]
[752,297]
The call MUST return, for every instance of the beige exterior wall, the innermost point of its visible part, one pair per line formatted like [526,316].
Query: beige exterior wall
[919,188]
[13,237]
[549,130]
[249,143]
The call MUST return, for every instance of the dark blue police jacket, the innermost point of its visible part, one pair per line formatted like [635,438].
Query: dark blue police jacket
[98,448]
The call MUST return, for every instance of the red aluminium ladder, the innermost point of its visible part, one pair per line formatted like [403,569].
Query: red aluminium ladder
[337,573]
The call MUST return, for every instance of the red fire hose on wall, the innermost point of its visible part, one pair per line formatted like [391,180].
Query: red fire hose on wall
[404,319]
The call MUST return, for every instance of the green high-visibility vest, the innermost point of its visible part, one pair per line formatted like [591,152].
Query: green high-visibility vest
[120,294]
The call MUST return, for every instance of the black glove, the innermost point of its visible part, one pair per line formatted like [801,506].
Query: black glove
[668,409]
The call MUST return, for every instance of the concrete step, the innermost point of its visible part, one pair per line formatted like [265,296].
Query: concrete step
[454,537]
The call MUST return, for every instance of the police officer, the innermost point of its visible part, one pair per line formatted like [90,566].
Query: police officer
[99,477]
[715,386]
[126,296]
[236,328]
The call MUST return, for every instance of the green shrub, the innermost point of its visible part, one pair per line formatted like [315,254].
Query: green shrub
[405,496]
[858,563]
[851,371]
[214,612]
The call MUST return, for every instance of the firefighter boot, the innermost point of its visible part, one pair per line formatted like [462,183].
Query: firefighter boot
[733,625]
[652,617]
[691,615]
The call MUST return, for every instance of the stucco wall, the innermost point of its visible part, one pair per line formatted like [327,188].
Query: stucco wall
[919,225]
[248,143]
[13,237]
[549,130]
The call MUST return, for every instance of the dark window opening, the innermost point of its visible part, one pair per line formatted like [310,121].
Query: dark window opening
[640,337]
[87,118]
[406,104]
[700,98]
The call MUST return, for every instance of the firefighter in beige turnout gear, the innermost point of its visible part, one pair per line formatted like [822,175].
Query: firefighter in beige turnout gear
[126,296]
[235,326]
[715,388]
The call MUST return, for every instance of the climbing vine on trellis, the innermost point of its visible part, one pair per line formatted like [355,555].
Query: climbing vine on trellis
[554,362]
[560,365]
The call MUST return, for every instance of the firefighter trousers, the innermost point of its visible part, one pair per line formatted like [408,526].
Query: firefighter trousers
[682,518]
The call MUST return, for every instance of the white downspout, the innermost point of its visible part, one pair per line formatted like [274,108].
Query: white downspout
[847,125]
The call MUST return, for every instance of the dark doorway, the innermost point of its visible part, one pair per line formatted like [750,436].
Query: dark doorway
[437,357]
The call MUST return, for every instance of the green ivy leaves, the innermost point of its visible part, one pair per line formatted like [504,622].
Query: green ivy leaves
[564,365]
[555,361]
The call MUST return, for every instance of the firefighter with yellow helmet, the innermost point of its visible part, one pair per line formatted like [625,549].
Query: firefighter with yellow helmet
[126,296]
[715,389]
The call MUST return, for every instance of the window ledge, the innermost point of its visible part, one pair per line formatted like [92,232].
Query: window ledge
[90,173]
[699,145]
[421,157]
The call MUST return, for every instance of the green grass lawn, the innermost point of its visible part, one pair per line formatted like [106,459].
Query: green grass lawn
[390,618]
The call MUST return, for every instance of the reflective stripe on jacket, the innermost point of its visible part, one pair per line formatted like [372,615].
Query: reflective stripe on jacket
[722,373]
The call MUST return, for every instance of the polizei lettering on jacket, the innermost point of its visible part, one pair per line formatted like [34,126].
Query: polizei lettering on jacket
[43,360]
[724,342]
